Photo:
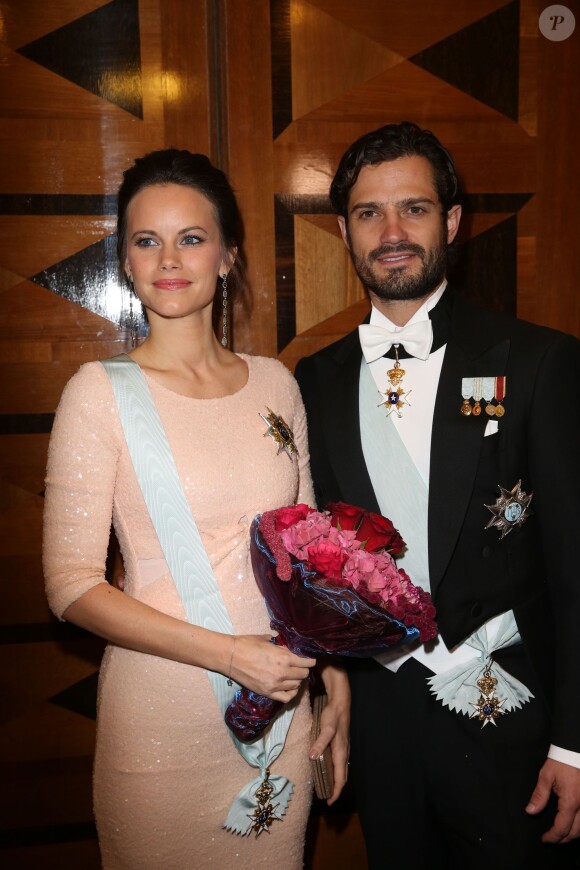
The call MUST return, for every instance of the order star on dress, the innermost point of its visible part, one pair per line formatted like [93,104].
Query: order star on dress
[281,433]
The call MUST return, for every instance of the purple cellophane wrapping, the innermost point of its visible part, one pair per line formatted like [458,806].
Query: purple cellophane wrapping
[312,618]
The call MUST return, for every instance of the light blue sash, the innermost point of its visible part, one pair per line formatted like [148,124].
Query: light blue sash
[190,568]
[457,687]
[402,493]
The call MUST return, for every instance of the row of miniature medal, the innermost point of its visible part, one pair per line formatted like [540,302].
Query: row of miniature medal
[479,389]
[486,389]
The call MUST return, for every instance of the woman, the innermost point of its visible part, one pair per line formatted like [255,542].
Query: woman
[166,770]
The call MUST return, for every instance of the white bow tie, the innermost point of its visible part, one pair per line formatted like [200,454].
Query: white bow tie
[376,340]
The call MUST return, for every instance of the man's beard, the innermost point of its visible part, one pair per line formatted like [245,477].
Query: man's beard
[398,284]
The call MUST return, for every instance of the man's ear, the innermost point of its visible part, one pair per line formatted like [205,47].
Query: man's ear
[344,231]
[453,218]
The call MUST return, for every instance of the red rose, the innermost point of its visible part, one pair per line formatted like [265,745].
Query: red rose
[327,558]
[289,516]
[347,516]
[378,533]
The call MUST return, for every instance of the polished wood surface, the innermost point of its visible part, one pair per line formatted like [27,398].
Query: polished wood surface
[274,91]
[248,160]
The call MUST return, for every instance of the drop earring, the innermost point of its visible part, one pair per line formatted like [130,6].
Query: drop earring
[132,325]
[224,339]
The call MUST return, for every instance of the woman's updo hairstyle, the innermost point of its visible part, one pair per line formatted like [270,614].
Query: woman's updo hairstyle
[172,166]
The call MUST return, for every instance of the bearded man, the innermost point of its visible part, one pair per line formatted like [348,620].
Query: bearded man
[460,425]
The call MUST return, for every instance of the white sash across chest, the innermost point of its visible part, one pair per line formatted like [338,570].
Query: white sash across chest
[403,497]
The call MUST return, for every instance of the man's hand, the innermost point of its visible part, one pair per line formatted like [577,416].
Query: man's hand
[564,781]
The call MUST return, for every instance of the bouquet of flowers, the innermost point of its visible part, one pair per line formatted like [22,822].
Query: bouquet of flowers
[332,587]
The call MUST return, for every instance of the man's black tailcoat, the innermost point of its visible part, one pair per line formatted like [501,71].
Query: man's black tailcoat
[474,576]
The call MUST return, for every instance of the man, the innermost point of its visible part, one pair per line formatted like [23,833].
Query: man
[466,436]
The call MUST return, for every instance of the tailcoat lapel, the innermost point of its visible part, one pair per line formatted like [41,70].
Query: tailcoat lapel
[472,350]
[342,415]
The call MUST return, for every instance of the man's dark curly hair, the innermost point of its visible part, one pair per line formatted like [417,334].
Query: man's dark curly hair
[389,143]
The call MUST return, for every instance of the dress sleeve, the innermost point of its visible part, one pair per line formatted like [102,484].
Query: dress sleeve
[305,488]
[83,454]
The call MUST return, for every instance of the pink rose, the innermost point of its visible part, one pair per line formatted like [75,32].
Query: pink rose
[289,516]
[327,558]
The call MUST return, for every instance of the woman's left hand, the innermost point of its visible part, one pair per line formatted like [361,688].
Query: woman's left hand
[334,726]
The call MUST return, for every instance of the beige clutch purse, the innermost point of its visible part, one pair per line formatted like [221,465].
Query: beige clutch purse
[322,771]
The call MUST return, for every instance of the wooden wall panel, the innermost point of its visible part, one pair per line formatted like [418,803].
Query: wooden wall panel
[483,78]
[85,87]
[274,91]
[246,154]
[556,299]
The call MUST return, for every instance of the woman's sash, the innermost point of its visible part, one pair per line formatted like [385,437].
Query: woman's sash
[190,568]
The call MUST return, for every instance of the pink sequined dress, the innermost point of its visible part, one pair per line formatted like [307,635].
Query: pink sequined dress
[166,770]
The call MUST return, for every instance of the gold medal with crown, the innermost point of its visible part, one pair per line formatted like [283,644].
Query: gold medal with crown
[265,812]
[488,707]
[396,397]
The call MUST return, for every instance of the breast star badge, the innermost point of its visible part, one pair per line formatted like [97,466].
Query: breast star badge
[511,509]
[281,433]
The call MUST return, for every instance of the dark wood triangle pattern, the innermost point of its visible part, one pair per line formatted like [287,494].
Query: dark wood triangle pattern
[99,52]
[486,267]
[482,60]
[90,278]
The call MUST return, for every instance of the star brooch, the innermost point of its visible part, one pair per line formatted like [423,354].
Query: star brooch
[281,433]
[510,510]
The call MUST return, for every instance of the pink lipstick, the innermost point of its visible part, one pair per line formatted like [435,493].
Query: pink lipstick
[171,284]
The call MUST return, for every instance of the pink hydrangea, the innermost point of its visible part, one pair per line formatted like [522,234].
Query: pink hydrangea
[338,556]
[299,537]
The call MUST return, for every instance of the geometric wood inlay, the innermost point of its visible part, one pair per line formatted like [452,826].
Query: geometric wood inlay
[100,52]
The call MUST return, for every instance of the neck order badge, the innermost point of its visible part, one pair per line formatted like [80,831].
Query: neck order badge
[396,397]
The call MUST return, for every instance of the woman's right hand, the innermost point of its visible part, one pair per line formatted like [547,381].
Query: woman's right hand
[257,663]
[267,668]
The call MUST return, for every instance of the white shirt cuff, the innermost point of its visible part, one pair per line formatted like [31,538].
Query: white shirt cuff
[566,756]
